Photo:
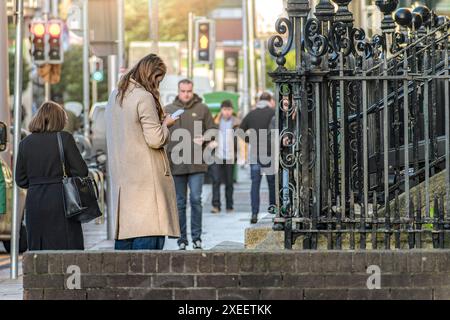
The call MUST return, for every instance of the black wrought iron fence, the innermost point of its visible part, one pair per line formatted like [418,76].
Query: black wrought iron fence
[345,115]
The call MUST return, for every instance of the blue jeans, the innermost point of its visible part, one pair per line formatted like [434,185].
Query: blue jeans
[195,183]
[255,173]
[143,243]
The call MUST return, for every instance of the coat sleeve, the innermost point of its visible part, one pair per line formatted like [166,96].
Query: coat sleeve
[244,128]
[156,135]
[21,172]
[208,121]
[74,160]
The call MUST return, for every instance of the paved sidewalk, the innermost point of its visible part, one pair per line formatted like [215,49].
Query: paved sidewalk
[223,230]
[218,229]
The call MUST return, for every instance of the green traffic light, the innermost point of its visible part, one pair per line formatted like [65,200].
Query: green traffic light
[97,76]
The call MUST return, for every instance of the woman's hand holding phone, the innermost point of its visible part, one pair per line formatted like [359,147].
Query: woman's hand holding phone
[168,121]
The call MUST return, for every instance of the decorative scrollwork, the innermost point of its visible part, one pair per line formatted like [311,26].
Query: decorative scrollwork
[288,160]
[316,44]
[339,39]
[377,44]
[398,39]
[288,209]
[276,42]
[361,48]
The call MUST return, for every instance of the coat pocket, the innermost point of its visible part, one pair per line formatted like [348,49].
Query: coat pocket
[165,161]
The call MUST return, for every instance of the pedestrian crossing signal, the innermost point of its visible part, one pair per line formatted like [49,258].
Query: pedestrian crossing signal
[96,68]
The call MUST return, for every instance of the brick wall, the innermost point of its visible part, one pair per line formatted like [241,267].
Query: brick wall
[238,275]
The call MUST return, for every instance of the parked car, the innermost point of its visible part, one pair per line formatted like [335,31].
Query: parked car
[6,197]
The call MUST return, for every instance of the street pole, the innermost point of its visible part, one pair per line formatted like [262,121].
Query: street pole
[112,84]
[245,100]
[153,9]
[54,14]
[251,51]
[5,114]
[18,68]
[86,73]
[94,92]
[190,72]
[121,34]
[263,64]
[47,87]
[55,11]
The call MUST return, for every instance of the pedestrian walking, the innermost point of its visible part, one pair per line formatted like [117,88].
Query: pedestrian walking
[143,188]
[259,120]
[224,156]
[189,171]
[39,170]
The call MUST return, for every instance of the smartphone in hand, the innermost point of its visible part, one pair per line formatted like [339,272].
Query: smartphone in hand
[177,114]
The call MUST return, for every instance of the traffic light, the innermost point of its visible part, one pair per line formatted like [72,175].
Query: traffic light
[96,66]
[55,49]
[38,32]
[204,41]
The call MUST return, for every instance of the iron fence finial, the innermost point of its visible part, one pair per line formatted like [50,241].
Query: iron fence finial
[387,7]
[343,14]
[325,10]
[298,8]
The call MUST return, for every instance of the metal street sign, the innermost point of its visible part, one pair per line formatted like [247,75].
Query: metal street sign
[74,18]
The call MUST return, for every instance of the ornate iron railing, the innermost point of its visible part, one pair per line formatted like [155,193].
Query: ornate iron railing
[345,115]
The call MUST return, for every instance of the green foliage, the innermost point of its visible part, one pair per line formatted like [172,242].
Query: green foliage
[272,66]
[71,84]
[173,18]
[26,72]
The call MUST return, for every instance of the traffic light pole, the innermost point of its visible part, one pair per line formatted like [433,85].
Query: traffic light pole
[47,87]
[18,68]
[55,8]
[153,8]
[121,34]
[112,85]
[245,99]
[86,73]
[5,113]
[251,50]
[94,92]
[190,71]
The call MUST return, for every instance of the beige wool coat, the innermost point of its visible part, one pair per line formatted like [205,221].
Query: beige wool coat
[144,199]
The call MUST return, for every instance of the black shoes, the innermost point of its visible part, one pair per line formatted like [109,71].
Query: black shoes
[254,219]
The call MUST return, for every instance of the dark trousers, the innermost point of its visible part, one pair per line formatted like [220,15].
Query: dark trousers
[143,243]
[222,172]
[195,183]
[255,173]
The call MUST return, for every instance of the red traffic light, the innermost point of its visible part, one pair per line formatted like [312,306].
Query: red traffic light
[38,29]
[54,29]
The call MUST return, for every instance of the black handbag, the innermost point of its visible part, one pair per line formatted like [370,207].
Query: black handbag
[79,194]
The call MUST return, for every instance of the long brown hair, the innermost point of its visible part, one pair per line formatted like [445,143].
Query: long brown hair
[145,72]
[51,117]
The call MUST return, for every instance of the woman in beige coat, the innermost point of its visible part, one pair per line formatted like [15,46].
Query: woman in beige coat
[144,200]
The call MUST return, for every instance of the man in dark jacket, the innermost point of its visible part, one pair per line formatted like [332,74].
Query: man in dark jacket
[186,157]
[257,124]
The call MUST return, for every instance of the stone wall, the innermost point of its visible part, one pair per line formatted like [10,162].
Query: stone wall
[252,275]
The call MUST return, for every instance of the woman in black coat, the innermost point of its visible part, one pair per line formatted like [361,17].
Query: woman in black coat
[39,170]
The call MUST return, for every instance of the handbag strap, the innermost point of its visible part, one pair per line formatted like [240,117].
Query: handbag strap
[61,153]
